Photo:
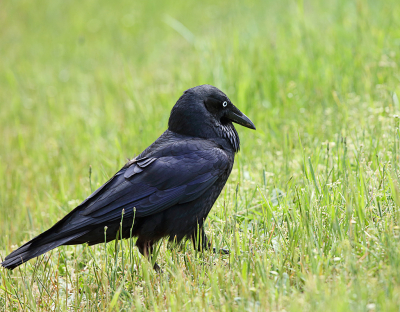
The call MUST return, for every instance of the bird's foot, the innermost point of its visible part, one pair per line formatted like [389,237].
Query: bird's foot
[222,251]
[157,268]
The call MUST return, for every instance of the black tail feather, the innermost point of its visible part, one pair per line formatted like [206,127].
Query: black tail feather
[36,247]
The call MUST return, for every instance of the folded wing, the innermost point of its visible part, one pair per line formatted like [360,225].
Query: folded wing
[179,174]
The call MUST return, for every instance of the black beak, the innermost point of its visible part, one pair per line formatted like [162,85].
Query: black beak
[237,116]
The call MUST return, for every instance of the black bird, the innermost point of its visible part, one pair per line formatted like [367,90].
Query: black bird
[168,190]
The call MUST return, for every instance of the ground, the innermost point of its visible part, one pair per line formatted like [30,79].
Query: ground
[311,210]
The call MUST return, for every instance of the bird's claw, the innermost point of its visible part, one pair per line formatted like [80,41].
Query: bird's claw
[157,268]
[222,251]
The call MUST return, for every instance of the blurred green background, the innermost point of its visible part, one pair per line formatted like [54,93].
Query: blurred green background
[90,83]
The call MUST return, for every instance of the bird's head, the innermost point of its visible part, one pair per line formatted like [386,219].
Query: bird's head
[206,112]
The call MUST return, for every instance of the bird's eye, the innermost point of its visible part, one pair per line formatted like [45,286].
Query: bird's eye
[225,104]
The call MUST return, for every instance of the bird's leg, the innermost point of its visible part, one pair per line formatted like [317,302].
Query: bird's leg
[146,249]
[201,242]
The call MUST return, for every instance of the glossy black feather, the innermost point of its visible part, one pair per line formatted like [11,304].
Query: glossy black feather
[168,190]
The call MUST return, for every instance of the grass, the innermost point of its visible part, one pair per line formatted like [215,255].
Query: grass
[311,210]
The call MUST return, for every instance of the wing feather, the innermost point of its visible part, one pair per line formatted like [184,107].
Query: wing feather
[179,174]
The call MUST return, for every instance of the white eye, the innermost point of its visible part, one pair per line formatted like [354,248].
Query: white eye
[225,104]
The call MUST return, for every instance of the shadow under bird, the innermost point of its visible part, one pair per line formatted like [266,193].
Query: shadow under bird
[166,191]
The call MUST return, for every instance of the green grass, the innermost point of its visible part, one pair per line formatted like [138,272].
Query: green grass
[311,210]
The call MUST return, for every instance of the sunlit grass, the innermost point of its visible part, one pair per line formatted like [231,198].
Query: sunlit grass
[311,210]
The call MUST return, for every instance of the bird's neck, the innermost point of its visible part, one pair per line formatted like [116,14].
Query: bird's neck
[229,133]
[224,135]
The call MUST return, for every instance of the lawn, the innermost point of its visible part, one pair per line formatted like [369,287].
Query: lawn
[311,210]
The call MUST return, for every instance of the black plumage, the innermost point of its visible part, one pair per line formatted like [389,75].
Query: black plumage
[168,190]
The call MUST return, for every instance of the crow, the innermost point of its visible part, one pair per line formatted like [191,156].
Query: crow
[166,191]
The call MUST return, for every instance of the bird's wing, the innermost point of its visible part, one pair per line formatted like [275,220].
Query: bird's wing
[178,173]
